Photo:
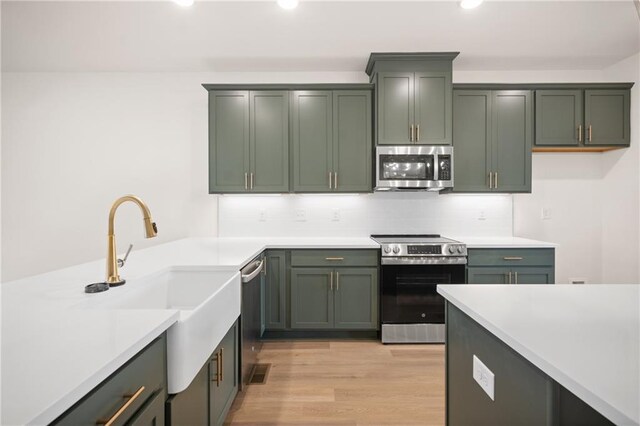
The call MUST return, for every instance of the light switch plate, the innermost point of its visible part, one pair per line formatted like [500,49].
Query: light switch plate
[335,215]
[484,377]
[300,215]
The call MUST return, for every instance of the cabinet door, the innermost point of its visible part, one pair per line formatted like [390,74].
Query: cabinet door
[484,275]
[312,141]
[191,406]
[356,298]
[152,413]
[275,291]
[511,133]
[539,275]
[395,101]
[311,298]
[224,377]
[352,144]
[472,140]
[433,108]
[606,115]
[559,117]
[269,140]
[228,141]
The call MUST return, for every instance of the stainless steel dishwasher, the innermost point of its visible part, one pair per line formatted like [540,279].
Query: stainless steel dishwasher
[250,317]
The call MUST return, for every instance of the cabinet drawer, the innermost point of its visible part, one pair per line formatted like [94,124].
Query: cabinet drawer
[144,371]
[334,257]
[511,257]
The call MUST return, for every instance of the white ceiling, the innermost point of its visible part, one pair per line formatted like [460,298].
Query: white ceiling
[317,36]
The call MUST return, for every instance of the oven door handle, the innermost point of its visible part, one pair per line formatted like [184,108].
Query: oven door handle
[453,260]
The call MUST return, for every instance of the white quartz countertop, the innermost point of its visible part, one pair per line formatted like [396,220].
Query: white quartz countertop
[503,242]
[54,352]
[586,338]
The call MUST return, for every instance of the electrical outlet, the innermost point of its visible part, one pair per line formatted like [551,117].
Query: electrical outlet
[335,215]
[300,215]
[484,377]
[482,215]
[262,215]
[546,213]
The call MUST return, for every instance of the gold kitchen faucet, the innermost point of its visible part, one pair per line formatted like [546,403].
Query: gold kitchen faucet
[150,230]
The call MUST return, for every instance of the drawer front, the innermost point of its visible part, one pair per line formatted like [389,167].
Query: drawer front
[334,257]
[122,388]
[511,257]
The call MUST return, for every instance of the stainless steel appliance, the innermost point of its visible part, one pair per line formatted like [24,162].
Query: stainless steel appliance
[250,318]
[411,268]
[414,167]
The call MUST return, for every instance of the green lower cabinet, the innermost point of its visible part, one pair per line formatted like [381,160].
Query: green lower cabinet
[334,298]
[208,398]
[152,414]
[223,376]
[275,296]
[506,275]
[312,298]
[485,275]
[356,298]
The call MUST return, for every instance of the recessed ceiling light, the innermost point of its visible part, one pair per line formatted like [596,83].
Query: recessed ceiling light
[288,4]
[184,3]
[470,4]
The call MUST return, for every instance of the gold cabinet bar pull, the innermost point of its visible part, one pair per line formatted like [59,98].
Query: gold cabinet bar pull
[580,133]
[334,258]
[337,281]
[331,281]
[251,180]
[490,180]
[217,379]
[510,278]
[411,133]
[590,133]
[496,181]
[132,398]
[330,185]
[418,133]
[513,258]
[335,180]
[515,274]
[221,364]
[246,181]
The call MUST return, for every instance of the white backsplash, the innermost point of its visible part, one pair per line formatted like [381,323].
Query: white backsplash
[362,215]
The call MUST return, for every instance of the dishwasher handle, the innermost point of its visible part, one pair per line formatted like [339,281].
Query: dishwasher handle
[251,275]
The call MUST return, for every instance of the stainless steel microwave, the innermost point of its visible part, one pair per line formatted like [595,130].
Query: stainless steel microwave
[414,168]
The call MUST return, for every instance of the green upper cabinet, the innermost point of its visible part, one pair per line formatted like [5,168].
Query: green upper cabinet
[396,113]
[228,141]
[352,141]
[312,141]
[248,141]
[492,139]
[559,117]
[413,97]
[269,140]
[512,136]
[332,147]
[607,117]
[472,139]
[597,117]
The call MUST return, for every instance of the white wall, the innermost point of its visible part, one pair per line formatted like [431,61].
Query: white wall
[74,142]
[621,184]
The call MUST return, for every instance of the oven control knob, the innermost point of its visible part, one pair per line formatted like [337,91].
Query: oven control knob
[387,249]
[460,249]
[452,249]
[396,249]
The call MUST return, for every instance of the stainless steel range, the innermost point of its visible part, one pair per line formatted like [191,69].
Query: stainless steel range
[411,268]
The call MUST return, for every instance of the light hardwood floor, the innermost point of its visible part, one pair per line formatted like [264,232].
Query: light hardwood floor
[345,383]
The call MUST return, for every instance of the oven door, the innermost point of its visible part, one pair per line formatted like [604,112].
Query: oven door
[409,293]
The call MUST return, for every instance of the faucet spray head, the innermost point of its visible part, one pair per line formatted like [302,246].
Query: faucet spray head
[150,228]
